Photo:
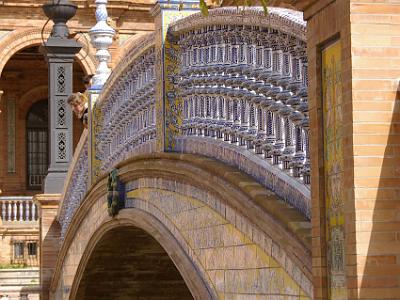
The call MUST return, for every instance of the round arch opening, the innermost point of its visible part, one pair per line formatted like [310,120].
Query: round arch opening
[24,82]
[128,263]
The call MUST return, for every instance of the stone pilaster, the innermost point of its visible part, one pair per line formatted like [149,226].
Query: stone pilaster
[49,229]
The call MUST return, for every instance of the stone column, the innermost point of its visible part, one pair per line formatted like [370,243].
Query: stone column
[49,231]
[59,52]
[168,119]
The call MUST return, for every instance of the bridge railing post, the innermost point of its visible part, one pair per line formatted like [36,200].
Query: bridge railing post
[168,103]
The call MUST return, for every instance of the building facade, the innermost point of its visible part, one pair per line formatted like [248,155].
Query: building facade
[231,156]
[24,117]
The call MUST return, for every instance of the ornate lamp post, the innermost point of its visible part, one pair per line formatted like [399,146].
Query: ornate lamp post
[101,37]
[59,52]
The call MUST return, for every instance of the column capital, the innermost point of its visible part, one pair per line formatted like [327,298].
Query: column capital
[62,49]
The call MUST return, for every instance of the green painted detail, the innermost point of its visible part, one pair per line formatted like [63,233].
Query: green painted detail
[115,196]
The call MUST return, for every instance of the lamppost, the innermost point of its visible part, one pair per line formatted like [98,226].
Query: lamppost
[59,52]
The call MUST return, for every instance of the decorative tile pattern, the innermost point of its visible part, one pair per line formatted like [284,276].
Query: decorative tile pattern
[236,90]
[334,169]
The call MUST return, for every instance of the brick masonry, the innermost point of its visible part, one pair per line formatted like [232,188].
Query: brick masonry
[368,34]
[20,27]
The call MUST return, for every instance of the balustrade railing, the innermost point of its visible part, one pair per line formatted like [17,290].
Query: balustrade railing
[77,184]
[128,109]
[18,209]
[246,85]
[242,79]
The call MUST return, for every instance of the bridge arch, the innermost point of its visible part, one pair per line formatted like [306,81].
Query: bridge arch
[205,206]
[143,222]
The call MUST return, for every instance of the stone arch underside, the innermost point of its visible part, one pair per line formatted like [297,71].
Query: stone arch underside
[23,38]
[239,237]
[128,263]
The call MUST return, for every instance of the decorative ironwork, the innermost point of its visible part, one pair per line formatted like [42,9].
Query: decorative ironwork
[61,146]
[37,144]
[60,79]
[61,113]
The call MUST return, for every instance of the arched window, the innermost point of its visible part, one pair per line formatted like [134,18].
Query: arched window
[37,144]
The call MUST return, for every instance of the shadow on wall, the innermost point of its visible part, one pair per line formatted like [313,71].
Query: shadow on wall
[377,218]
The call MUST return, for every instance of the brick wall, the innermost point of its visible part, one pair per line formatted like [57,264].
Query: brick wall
[330,23]
[369,35]
[375,41]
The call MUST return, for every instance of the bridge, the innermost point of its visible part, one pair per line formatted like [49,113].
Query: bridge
[194,178]
[224,211]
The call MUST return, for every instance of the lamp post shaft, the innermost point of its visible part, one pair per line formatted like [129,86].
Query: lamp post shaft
[60,53]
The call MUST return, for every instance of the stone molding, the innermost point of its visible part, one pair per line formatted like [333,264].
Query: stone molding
[288,188]
[47,201]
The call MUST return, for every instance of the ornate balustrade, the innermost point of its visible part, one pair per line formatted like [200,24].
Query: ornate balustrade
[124,120]
[76,185]
[18,209]
[241,87]
[127,106]
[243,80]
